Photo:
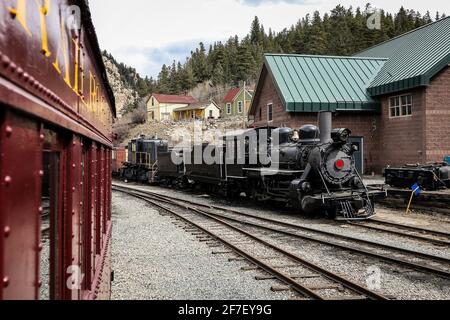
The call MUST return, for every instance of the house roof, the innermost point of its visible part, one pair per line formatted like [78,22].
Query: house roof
[414,58]
[316,83]
[197,106]
[175,99]
[231,95]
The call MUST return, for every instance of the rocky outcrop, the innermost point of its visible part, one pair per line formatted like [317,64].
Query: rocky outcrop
[125,96]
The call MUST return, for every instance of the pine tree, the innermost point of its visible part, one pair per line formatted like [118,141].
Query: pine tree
[218,76]
[316,36]
[245,64]
[342,32]
[255,32]
[163,80]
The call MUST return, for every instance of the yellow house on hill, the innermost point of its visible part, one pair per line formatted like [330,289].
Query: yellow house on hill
[162,106]
[198,111]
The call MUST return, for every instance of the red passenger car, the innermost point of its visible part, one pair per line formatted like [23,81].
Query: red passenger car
[119,157]
[56,113]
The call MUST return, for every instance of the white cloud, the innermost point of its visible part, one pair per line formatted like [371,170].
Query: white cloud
[146,34]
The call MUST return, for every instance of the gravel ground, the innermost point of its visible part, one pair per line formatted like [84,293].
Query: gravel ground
[155,259]
[395,280]
[441,223]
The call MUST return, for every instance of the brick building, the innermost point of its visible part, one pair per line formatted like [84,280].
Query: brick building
[395,97]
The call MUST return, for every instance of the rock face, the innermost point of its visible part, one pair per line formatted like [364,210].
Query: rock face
[125,96]
[186,133]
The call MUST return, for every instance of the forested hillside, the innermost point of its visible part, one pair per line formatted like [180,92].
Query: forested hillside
[343,31]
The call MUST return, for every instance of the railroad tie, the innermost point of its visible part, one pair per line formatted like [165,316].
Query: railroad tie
[280,288]
[347,298]
[236,259]
[307,276]
[250,268]
[221,252]
[327,287]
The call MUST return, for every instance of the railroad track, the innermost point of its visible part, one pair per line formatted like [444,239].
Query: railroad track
[418,261]
[300,275]
[436,237]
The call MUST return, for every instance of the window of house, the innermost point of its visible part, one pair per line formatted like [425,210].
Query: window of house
[165,116]
[153,102]
[228,108]
[240,107]
[210,113]
[270,112]
[260,114]
[400,106]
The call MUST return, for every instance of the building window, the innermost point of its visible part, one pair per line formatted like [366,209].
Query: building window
[260,114]
[211,114]
[153,102]
[270,112]
[228,108]
[240,107]
[400,106]
[165,116]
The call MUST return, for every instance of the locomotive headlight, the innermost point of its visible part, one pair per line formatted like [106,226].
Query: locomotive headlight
[339,164]
[341,135]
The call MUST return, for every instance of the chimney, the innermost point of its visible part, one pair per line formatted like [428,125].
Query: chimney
[325,126]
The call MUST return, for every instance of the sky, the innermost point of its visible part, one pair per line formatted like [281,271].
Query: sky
[146,34]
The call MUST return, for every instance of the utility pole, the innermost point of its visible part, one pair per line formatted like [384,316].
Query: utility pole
[244,106]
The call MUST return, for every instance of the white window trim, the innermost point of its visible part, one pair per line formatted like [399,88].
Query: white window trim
[271,106]
[400,106]
[240,107]
[229,108]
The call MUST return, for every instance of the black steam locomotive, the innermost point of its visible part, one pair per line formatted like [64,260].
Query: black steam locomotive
[310,169]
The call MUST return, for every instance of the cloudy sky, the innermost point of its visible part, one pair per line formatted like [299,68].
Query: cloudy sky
[148,33]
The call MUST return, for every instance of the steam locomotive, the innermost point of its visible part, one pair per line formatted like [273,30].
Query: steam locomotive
[311,169]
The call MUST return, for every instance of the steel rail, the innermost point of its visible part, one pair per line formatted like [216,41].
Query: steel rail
[385,257]
[365,225]
[412,228]
[309,229]
[271,270]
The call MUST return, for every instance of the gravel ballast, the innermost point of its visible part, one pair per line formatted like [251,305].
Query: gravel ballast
[155,259]
[395,280]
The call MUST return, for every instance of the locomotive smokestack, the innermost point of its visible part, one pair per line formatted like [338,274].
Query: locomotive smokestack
[325,126]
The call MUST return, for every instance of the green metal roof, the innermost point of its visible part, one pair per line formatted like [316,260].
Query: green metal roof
[414,58]
[318,83]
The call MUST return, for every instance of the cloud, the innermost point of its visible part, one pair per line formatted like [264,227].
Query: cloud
[146,34]
[148,60]
[256,3]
